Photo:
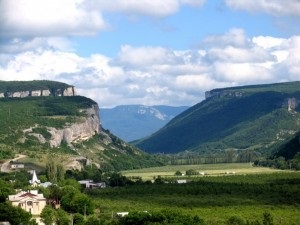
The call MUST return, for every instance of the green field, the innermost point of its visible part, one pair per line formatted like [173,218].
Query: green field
[215,197]
[208,169]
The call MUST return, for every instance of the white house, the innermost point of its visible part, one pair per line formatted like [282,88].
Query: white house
[91,184]
[17,166]
[30,201]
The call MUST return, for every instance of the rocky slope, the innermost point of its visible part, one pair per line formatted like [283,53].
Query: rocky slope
[63,125]
[86,127]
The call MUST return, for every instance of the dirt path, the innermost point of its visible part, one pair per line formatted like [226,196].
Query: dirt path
[5,167]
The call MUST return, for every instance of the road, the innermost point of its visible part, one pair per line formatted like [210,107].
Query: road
[5,167]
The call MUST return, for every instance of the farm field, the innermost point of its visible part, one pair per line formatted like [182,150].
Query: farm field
[208,169]
[247,195]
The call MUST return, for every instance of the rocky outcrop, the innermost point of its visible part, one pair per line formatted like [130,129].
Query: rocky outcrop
[88,126]
[292,104]
[69,91]
[220,94]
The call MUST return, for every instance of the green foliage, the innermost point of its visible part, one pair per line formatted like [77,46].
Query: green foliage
[191,172]
[235,220]
[166,217]
[6,154]
[215,199]
[78,219]
[267,219]
[14,215]
[5,190]
[178,173]
[54,170]
[251,121]
[75,202]
[16,86]
[62,218]
[48,215]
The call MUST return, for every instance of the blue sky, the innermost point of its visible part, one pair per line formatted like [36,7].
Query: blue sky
[150,51]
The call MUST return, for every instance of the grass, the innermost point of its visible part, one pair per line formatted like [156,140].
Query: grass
[208,169]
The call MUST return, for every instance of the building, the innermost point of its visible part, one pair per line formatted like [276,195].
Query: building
[30,201]
[91,184]
[17,166]
[34,180]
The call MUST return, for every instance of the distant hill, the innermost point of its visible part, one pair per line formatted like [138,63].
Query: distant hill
[257,117]
[132,122]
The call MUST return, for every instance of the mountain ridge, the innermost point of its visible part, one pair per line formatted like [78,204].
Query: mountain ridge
[131,122]
[252,117]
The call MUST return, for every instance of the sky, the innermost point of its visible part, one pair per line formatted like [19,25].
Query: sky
[150,52]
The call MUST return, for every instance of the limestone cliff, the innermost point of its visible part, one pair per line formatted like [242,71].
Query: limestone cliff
[84,129]
[22,89]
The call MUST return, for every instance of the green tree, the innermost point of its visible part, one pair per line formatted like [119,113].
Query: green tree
[62,218]
[15,215]
[78,219]
[178,173]
[48,215]
[191,172]
[51,170]
[55,171]
[76,202]
[5,190]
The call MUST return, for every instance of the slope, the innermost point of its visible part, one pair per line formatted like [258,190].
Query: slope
[132,122]
[257,117]
[68,126]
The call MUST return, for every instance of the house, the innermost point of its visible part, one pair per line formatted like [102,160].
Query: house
[45,184]
[17,166]
[34,180]
[181,181]
[91,184]
[30,201]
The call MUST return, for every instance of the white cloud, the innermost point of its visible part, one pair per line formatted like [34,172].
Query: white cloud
[153,74]
[234,37]
[45,18]
[20,18]
[144,56]
[153,8]
[273,7]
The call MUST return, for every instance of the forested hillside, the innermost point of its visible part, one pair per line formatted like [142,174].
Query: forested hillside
[259,118]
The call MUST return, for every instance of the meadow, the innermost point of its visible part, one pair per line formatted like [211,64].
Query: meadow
[215,197]
[207,169]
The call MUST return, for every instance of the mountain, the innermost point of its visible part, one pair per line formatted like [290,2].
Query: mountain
[132,122]
[39,118]
[257,117]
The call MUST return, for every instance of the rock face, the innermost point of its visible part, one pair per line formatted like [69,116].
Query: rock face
[220,94]
[83,130]
[69,91]
[292,104]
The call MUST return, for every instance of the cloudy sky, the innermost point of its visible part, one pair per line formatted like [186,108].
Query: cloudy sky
[150,52]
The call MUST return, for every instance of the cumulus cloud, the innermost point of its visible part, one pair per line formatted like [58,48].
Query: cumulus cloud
[48,18]
[154,74]
[45,18]
[273,7]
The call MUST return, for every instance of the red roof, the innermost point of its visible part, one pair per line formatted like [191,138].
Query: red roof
[27,194]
